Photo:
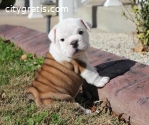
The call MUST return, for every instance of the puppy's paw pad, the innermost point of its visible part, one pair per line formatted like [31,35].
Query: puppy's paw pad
[103,81]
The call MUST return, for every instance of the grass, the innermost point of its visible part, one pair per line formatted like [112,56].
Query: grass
[15,76]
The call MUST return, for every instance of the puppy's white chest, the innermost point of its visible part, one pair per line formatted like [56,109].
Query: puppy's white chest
[55,52]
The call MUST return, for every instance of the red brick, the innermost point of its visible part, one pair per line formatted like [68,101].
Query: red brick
[35,46]
[11,31]
[38,47]
[97,56]
[126,92]
[42,52]
[105,59]
[31,34]
[20,35]
[29,39]
[92,51]
[32,43]
[4,29]
[14,32]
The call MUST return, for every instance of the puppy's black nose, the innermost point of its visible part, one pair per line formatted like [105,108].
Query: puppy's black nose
[74,43]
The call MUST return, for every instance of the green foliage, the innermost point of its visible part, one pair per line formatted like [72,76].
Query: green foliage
[11,63]
[141,20]
[6,3]
[30,117]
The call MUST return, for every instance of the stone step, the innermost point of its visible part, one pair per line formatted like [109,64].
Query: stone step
[88,12]
[127,91]
[107,19]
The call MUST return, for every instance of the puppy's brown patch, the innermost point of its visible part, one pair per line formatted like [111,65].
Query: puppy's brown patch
[55,81]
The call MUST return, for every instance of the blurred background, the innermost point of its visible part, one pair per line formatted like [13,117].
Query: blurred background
[104,15]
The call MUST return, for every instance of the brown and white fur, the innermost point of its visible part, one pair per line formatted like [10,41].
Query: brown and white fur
[69,45]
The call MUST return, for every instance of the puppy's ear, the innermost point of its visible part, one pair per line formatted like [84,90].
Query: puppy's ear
[86,24]
[52,35]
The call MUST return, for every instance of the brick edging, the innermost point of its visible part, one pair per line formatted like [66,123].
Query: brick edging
[31,41]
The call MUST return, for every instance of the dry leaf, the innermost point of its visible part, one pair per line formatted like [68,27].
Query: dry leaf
[146,48]
[114,114]
[138,49]
[3,96]
[24,57]
[93,109]
[34,63]
[120,118]
[16,47]
[143,52]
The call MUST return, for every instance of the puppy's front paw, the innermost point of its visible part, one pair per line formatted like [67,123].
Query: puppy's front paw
[102,82]
[87,111]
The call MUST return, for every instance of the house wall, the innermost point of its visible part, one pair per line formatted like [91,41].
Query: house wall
[20,3]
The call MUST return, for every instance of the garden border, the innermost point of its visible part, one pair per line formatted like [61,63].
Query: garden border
[127,90]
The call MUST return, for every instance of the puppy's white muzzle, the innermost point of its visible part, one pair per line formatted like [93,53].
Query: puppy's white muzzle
[74,45]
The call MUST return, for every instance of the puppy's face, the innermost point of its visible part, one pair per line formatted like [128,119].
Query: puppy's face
[71,37]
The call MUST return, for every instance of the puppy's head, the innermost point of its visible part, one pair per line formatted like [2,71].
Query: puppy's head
[71,37]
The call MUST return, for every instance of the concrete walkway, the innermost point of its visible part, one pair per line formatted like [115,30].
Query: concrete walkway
[22,20]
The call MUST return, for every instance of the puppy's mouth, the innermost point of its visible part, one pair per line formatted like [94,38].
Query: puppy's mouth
[76,51]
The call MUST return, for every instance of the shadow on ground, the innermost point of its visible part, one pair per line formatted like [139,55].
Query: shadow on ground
[111,69]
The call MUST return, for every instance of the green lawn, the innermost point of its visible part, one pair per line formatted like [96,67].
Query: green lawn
[15,76]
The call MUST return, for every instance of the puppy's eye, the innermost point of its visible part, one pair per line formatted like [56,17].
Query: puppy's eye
[62,40]
[80,32]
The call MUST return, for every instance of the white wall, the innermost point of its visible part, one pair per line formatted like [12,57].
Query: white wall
[19,3]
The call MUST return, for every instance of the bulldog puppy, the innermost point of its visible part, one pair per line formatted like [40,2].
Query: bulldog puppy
[66,65]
